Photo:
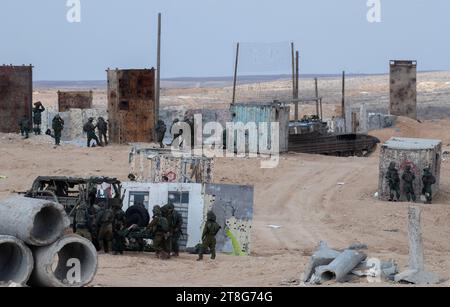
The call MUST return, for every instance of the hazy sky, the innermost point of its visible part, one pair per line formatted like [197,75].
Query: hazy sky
[199,35]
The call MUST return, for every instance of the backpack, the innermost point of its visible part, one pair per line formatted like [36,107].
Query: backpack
[86,127]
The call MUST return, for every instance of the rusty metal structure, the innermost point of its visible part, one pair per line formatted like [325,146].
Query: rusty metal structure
[16,96]
[74,100]
[403,88]
[131,105]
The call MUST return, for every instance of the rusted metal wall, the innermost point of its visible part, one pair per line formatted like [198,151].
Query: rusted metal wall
[74,100]
[131,105]
[16,95]
[403,88]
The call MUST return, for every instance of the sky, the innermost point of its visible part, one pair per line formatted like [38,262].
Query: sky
[199,36]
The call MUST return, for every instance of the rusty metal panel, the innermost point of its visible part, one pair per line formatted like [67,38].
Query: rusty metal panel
[74,100]
[403,88]
[16,95]
[131,105]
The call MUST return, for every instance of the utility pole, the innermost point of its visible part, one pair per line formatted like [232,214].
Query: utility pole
[293,70]
[297,60]
[158,71]
[316,82]
[235,74]
[343,100]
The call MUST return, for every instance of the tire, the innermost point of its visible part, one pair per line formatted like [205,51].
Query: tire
[137,215]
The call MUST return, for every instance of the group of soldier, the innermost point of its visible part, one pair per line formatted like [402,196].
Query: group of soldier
[408,178]
[106,226]
[161,129]
[25,125]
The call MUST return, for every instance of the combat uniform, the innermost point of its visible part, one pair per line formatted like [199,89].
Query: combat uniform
[37,117]
[25,127]
[118,233]
[83,222]
[105,224]
[175,221]
[428,180]
[408,185]
[160,132]
[89,128]
[394,182]
[102,127]
[160,229]
[209,236]
[58,126]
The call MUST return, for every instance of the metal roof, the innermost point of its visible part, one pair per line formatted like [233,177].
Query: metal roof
[411,144]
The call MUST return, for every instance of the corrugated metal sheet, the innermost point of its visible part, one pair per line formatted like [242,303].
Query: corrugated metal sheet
[74,100]
[411,144]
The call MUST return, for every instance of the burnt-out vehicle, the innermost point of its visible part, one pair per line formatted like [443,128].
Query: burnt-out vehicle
[72,191]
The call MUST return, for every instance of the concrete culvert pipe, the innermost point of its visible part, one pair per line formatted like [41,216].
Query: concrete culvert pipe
[69,262]
[35,221]
[16,261]
[338,269]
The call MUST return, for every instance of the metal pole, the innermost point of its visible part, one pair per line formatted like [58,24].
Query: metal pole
[158,73]
[235,74]
[297,58]
[321,110]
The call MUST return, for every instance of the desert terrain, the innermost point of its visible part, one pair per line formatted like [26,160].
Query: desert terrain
[313,198]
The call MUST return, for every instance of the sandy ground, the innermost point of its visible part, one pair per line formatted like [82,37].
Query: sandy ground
[302,195]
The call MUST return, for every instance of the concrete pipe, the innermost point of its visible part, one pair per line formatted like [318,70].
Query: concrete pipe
[35,221]
[69,262]
[16,261]
[341,266]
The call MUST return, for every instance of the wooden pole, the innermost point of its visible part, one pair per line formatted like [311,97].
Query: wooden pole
[158,72]
[343,100]
[235,74]
[316,82]
[321,110]
[297,58]
[293,71]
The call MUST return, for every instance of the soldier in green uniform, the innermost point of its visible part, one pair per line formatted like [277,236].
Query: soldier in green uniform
[24,125]
[118,230]
[428,180]
[408,184]
[58,126]
[102,127]
[89,128]
[393,179]
[209,236]
[160,229]
[160,132]
[104,223]
[83,221]
[175,221]
[37,117]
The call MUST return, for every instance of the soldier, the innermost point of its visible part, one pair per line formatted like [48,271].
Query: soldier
[89,128]
[58,126]
[24,125]
[83,221]
[428,180]
[160,132]
[408,185]
[175,221]
[178,134]
[102,127]
[209,236]
[104,223]
[160,229]
[118,230]
[394,182]
[37,117]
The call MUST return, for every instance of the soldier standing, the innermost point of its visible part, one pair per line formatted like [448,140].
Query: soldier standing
[37,117]
[118,231]
[408,185]
[160,132]
[179,132]
[89,128]
[209,236]
[175,221]
[58,126]
[394,182]
[24,125]
[83,221]
[160,229]
[102,127]
[104,223]
[428,180]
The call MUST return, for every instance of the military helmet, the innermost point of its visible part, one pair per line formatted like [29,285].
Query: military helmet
[392,165]
[211,216]
[408,167]
[156,210]
[91,119]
